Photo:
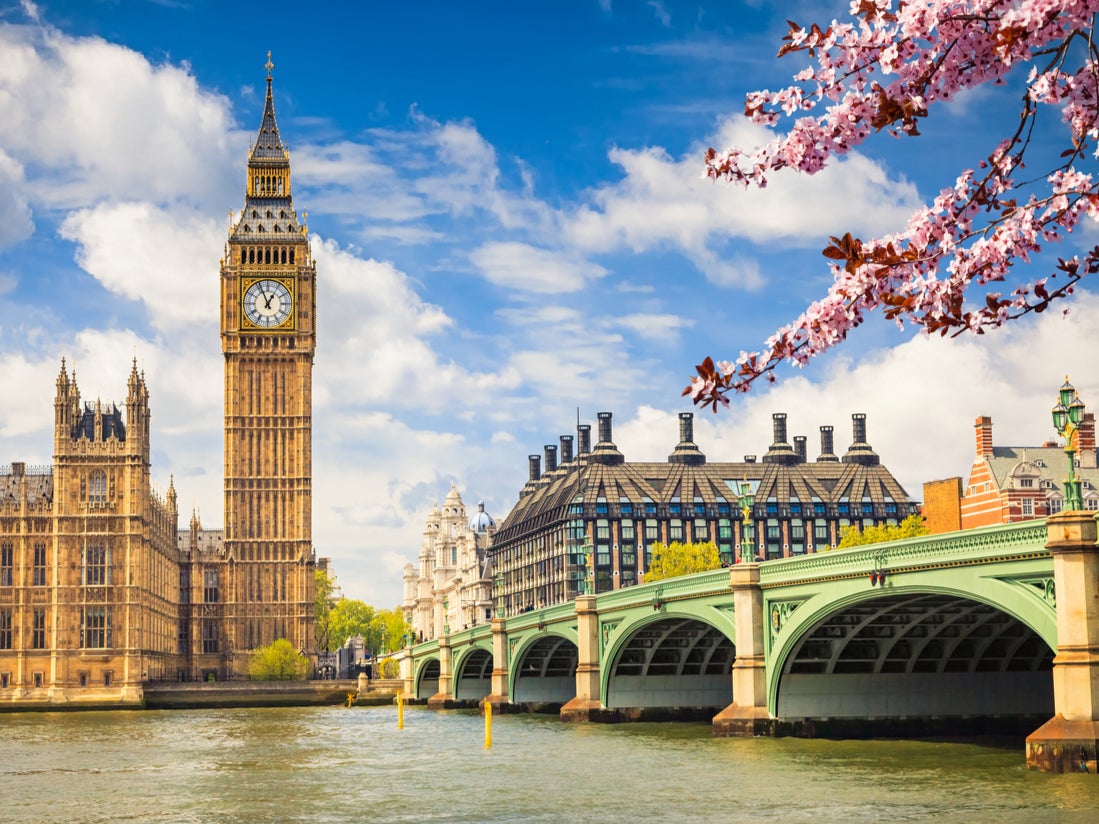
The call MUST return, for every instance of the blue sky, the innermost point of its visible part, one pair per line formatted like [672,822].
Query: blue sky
[509,224]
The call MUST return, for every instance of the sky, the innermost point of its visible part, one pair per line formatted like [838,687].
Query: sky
[506,207]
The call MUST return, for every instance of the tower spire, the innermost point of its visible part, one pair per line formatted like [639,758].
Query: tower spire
[268,147]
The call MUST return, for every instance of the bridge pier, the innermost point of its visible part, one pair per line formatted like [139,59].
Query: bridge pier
[498,697]
[444,698]
[408,674]
[589,700]
[748,714]
[1068,741]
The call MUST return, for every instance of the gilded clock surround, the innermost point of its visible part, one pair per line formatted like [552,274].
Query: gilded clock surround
[247,323]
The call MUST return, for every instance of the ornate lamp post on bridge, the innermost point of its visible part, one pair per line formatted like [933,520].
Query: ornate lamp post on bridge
[587,567]
[1067,414]
[499,605]
[745,500]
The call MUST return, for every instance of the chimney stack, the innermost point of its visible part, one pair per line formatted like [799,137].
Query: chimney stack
[604,428]
[983,426]
[860,452]
[566,449]
[780,452]
[827,446]
[605,451]
[583,432]
[858,427]
[534,462]
[551,458]
[687,451]
[1085,441]
[799,448]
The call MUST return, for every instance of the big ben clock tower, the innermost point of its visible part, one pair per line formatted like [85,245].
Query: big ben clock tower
[268,302]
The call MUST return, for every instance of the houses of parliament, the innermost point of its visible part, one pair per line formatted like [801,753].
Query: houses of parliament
[101,590]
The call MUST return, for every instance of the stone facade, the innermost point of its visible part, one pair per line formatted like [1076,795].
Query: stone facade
[89,570]
[268,305]
[100,591]
[451,589]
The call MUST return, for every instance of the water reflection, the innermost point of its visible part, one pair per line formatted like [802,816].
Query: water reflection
[337,764]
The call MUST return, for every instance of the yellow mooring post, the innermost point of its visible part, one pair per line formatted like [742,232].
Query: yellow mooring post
[488,724]
[400,711]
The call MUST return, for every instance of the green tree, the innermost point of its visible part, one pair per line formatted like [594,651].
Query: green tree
[681,559]
[278,661]
[351,617]
[322,610]
[394,629]
[910,527]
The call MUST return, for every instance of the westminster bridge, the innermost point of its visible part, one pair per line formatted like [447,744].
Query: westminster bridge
[987,630]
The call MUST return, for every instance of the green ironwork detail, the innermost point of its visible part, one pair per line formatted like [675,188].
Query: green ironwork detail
[1041,585]
[1049,592]
[605,630]
[974,546]
[778,614]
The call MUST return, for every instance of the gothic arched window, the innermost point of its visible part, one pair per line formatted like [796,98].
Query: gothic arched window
[97,487]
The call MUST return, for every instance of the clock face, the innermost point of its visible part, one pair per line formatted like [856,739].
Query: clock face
[268,303]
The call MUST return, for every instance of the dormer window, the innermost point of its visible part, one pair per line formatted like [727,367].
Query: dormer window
[1026,483]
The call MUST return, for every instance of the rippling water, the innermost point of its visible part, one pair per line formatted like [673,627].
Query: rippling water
[334,764]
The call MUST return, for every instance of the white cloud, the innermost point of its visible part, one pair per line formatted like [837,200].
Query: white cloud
[101,119]
[401,177]
[663,202]
[374,340]
[528,268]
[167,259]
[921,399]
[661,327]
[15,214]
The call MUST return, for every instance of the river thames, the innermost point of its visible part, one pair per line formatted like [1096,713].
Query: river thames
[334,764]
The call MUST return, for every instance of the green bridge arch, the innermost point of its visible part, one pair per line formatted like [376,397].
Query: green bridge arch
[1004,569]
[927,582]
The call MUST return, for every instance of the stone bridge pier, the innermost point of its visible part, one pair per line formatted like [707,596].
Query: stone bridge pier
[1068,741]
[444,698]
[588,700]
[748,714]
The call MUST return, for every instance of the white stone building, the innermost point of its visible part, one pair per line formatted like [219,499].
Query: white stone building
[452,587]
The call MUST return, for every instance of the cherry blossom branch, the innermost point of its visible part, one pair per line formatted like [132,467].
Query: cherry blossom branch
[924,274]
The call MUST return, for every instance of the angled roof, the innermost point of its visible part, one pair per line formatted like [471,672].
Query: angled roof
[1047,463]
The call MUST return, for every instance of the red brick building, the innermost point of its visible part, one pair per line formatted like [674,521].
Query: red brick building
[1012,483]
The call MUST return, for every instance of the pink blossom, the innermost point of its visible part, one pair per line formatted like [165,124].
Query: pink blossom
[932,273]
